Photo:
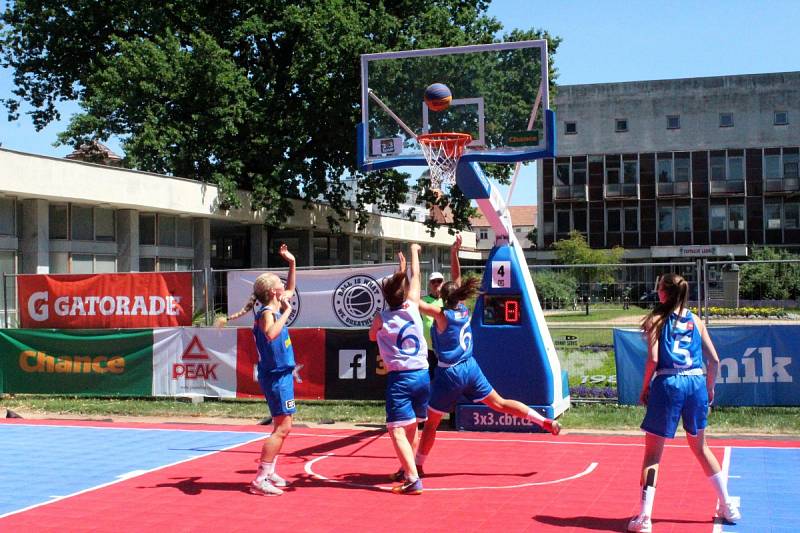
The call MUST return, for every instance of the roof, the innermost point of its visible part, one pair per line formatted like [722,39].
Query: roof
[521,215]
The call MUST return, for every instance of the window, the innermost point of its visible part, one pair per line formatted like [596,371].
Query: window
[483,234]
[736,217]
[166,264]
[717,166]
[562,222]
[82,264]
[735,168]
[184,229]
[82,227]
[147,264]
[790,166]
[621,124]
[562,173]
[570,128]
[59,263]
[683,218]
[614,223]
[665,218]
[792,216]
[166,230]
[59,222]
[726,120]
[631,220]
[579,220]
[719,218]
[104,224]
[147,229]
[183,265]
[105,264]
[613,169]
[7,212]
[682,166]
[772,214]
[579,171]
[673,122]
[772,166]
[781,118]
[664,170]
[630,171]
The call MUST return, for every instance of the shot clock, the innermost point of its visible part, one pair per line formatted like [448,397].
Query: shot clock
[502,310]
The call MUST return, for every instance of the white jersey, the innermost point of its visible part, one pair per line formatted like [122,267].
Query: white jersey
[401,341]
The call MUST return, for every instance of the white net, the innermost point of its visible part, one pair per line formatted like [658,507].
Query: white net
[442,151]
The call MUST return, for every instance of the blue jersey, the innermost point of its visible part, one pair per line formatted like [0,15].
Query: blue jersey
[454,344]
[401,342]
[680,346]
[276,355]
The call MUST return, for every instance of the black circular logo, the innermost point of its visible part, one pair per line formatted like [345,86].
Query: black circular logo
[356,300]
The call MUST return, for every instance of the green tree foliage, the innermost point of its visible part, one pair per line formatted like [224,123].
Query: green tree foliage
[261,95]
[554,286]
[770,281]
[576,251]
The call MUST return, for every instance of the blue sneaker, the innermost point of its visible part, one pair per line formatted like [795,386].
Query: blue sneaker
[409,487]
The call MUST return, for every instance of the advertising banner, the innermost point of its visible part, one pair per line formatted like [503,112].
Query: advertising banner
[757,365]
[354,369]
[117,363]
[125,300]
[328,298]
[309,355]
[194,361]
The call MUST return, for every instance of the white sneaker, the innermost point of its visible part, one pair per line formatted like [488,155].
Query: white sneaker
[265,488]
[640,523]
[277,480]
[729,512]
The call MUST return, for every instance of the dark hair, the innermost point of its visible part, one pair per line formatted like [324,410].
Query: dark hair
[452,294]
[677,290]
[394,290]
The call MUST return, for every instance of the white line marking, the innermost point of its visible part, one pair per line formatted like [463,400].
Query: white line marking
[310,471]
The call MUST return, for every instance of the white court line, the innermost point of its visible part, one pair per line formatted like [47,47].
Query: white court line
[56,424]
[124,477]
[310,471]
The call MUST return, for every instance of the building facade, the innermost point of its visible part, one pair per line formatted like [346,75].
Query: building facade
[523,219]
[675,169]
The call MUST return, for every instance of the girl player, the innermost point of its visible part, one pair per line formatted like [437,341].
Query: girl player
[676,346]
[458,373]
[275,366]
[398,332]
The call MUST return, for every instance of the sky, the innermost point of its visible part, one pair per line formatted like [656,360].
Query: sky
[602,42]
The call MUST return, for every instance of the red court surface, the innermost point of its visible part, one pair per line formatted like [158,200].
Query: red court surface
[475,482]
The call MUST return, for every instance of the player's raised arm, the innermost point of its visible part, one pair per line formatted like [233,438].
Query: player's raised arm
[290,280]
[455,265]
[414,284]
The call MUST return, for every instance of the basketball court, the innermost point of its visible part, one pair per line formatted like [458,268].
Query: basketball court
[78,476]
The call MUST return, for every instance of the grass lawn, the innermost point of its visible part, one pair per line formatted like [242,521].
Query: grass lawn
[765,420]
[632,315]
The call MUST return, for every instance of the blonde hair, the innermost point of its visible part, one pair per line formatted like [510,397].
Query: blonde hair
[261,287]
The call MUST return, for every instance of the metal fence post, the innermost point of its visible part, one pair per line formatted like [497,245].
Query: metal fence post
[209,319]
[705,289]
[5,302]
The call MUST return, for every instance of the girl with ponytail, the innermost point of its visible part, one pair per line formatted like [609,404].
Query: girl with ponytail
[676,387]
[275,366]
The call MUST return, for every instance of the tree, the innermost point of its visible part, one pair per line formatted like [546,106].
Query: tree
[533,236]
[554,287]
[576,251]
[260,95]
[771,281]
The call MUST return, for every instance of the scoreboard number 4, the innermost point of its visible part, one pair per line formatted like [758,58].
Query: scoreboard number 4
[501,274]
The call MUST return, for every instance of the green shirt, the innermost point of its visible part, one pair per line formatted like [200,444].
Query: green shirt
[427,321]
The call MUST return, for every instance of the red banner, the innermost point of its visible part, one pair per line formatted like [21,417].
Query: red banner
[309,372]
[125,300]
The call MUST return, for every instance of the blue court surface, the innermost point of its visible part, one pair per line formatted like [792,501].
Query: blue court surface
[44,463]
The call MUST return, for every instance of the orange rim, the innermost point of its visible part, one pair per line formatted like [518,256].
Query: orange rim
[453,143]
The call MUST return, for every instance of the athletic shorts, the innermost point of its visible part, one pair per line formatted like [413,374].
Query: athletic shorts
[407,393]
[465,378]
[278,389]
[675,397]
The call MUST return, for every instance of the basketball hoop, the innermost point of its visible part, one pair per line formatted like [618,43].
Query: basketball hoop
[442,151]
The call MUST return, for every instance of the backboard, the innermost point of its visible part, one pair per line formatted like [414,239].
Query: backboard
[500,97]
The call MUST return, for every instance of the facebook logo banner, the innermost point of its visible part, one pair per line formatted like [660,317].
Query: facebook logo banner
[352,366]
[758,365]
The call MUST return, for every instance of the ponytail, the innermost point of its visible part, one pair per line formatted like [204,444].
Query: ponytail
[222,320]
[452,294]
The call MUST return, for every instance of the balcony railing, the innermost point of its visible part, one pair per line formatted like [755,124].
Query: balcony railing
[571,193]
[781,185]
[680,188]
[622,190]
[723,187]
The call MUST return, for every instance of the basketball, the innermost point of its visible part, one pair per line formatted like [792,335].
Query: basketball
[438,97]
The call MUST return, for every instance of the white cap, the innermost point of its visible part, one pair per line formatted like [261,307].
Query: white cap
[435,276]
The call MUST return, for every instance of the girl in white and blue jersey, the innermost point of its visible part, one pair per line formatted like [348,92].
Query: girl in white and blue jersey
[275,366]
[402,346]
[676,387]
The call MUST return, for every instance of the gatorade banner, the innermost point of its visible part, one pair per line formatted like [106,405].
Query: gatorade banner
[309,372]
[198,361]
[758,365]
[126,300]
[113,363]
[325,298]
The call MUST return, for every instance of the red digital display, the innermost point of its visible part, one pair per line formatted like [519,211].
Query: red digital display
[502,309]
[512,311]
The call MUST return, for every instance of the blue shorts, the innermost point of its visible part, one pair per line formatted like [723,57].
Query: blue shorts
[465,378]
[278,389]
[407,393]
[675,397]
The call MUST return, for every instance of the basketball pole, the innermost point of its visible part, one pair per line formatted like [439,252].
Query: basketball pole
[385,107]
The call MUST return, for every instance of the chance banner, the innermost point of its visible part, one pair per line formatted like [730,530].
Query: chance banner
[757,365]
[125,300]
[326,298]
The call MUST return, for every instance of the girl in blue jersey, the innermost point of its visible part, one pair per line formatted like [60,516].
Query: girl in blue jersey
[677,343]
[401,343]
[458,373]
[275,366]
